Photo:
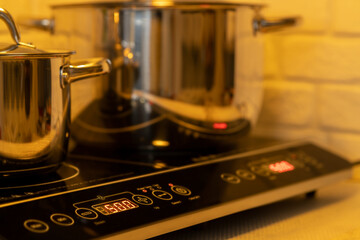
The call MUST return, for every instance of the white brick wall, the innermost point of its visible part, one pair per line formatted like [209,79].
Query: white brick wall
[315,66]
[281,97]
[346,17]
[312,72]
[323,58]
[339,107]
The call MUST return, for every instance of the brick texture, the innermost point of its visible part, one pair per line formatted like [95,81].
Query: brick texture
[287,103]
[323,53]
[346,144]
[321,57]
[346,16]
[339,107]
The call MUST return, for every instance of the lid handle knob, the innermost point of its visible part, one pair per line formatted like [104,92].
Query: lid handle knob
[6,17]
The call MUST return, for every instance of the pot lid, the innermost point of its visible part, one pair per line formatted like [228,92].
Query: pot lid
[28,50]
[19,48]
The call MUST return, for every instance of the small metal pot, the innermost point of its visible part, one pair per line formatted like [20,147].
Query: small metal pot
[35,103]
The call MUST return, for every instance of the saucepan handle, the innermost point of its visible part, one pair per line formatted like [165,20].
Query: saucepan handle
[261,24]
[81,69]
[46,24]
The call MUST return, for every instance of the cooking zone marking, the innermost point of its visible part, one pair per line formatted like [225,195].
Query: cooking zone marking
[75,174]
[215,161]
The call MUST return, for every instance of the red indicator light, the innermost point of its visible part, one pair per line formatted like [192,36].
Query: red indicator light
[170,184]
[144,190]
[281,167]
[220,126]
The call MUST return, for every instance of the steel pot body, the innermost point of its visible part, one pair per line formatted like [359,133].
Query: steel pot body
[35,103]
[196,68]
[34,114]
[35,110]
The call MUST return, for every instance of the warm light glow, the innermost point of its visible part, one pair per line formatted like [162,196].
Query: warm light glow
[128,53]
[159,165]
[163,3]
[281,167]
[116,17]
[160,143]
[221,126]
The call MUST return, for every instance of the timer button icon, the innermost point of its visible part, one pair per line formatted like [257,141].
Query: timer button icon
[36,226]
[62,219]
[86,213]
[245,174]
[143,200]
[160,194]
[230,178]
[181,190]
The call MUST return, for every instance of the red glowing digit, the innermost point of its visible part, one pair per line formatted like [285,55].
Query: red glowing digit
[129,204]
[111,208]
[120,206]
[115,206]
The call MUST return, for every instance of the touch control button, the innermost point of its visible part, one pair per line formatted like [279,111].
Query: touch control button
[141,199]
[162,195]
[181,190]
[62,219]
[230,178]
[86,213]
[245,174]
[36,226]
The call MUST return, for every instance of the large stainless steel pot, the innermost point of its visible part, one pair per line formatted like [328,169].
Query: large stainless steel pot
[193,67]
[35,103]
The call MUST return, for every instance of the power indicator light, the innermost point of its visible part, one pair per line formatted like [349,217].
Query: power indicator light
[170,184]
[144,190]
[220,126]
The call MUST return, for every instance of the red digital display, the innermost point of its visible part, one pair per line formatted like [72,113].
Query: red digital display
[281,167]
[115,206]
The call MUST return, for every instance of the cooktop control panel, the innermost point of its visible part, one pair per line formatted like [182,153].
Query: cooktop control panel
[233,183]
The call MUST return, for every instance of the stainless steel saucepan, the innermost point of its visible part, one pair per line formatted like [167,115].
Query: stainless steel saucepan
[35,103]
[182,71]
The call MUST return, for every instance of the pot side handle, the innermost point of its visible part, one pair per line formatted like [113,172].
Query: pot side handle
[261,24]
[46,24]
[81,69]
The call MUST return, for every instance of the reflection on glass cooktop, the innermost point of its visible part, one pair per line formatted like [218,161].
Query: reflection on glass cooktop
[85,167]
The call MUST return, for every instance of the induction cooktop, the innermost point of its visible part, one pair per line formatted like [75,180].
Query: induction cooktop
[138,195]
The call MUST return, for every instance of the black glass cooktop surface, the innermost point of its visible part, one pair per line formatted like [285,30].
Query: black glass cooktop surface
[85,167]
[138,195]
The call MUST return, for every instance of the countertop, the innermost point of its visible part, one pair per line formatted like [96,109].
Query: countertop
[333,214]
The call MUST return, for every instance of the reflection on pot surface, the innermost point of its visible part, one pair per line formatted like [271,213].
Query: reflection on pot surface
[35,103]
[199,62]
[32,122]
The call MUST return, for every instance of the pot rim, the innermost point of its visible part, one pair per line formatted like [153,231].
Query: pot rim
[163,4]
[17,50]
[36,55]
